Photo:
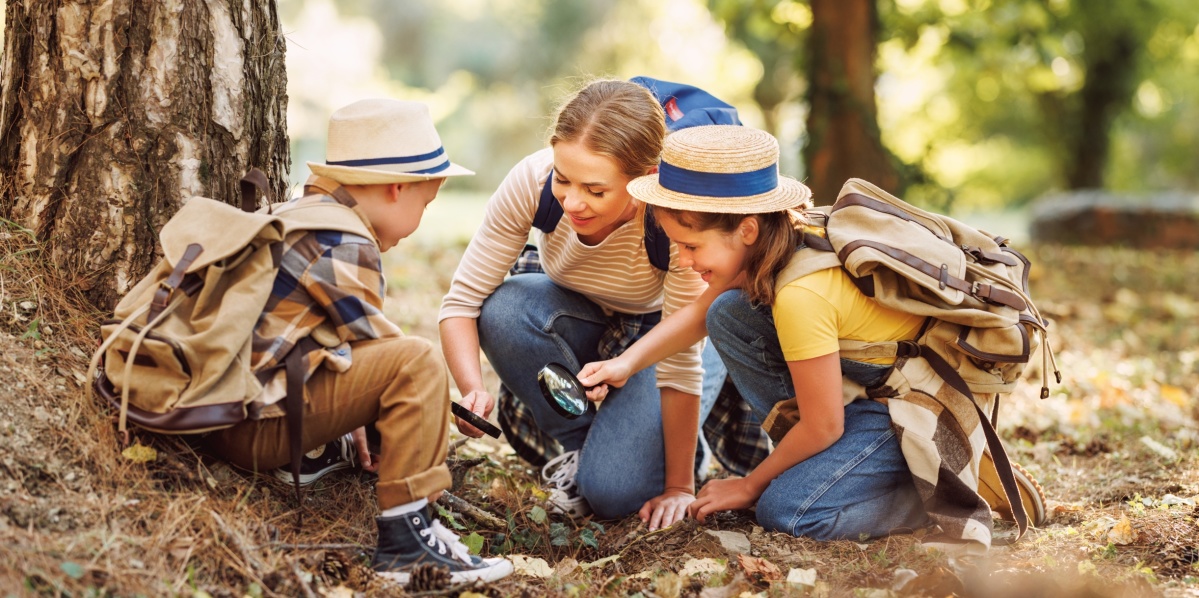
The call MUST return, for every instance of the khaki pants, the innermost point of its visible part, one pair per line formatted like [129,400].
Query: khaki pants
[400,384]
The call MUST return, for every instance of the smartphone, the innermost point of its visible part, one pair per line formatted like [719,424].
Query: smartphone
[474,420]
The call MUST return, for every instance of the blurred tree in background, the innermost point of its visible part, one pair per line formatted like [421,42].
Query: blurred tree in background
[965,104]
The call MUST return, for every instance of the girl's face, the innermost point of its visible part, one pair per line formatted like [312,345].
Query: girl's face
[719,257]
[592,191]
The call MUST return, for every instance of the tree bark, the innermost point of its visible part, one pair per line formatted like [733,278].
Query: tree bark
[113,113]
[843,134]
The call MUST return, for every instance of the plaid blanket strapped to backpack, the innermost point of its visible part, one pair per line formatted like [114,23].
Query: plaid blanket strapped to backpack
[979,336]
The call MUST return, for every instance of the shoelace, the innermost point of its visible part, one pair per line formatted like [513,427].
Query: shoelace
[440,537]
[348,452]
[564,477]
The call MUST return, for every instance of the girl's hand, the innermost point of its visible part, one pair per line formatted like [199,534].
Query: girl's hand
[365,458]
[480,403]
[613,372]
[723,495]
[666,509]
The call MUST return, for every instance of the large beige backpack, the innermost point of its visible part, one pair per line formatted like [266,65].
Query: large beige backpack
[175,357]
[979,334]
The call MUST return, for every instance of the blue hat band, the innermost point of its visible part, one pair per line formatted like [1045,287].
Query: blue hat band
[444,164]
[718,184]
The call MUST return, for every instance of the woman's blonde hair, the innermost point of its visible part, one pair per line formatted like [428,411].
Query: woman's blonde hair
[618,119]
[778,235]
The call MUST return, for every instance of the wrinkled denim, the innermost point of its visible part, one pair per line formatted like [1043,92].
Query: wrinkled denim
[860,486]
[528,322]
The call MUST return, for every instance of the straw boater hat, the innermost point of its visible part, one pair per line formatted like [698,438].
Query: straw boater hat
[374,142]
[720,168]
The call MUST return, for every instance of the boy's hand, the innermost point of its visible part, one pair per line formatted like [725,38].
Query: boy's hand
[480,403]
[666,509]
[365,458]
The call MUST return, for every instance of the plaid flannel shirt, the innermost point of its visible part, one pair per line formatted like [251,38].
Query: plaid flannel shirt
[330,288]
[732,431]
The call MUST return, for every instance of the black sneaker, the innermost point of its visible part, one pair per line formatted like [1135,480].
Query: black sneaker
[414,538]
[323,460]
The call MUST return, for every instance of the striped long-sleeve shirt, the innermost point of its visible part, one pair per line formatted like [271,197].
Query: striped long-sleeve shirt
[616,273]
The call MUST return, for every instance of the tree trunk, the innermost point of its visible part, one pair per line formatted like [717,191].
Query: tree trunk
[843,135]
[113,113]
[1109,87]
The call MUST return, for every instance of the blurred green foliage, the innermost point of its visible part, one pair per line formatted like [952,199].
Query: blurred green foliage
[988,104]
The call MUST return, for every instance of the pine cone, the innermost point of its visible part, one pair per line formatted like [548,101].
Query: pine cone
[336,566]
[427,577]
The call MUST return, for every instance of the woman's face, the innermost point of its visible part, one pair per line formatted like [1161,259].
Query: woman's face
[591,189]
[719,257]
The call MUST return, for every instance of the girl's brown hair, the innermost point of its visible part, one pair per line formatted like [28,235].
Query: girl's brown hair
[778,235]
[614,118]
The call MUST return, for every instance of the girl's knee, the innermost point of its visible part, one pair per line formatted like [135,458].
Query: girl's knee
[723,314]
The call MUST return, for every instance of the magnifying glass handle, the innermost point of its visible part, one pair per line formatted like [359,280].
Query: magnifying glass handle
[474,420]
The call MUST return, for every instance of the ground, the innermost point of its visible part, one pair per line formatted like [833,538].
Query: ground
[1114,447]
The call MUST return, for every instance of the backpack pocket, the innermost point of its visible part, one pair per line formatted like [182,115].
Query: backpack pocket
[159,374]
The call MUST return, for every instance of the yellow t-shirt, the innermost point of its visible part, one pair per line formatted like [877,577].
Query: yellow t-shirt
[813,312]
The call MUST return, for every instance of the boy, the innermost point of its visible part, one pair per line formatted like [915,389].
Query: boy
[384,160]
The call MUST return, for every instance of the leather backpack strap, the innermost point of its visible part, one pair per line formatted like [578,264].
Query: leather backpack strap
[253,186]
[1003,466]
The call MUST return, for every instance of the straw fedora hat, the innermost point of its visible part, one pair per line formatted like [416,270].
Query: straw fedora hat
[382,141]
[720,168]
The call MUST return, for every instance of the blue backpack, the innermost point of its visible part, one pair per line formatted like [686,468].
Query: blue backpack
[685,106]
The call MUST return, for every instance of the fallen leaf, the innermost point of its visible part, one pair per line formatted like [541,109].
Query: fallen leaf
[1122,533]
[704,566]
[531,566]
[1159,448]
[802,577]
[139,453]
[599,563]
[1176,395]
[565,567]
[901,577]
[341,592]
[759,569]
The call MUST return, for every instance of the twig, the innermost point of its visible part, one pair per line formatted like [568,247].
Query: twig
[453,502]
[295,570]
[286,546]
[237,542]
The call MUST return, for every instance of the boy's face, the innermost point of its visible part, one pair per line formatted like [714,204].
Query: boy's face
[403,215]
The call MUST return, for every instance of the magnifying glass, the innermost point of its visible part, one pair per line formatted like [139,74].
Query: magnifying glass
[474,420]
[565,394]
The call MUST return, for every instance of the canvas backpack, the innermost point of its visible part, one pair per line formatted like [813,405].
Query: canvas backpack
[682,106]
[981,324]
[175,356]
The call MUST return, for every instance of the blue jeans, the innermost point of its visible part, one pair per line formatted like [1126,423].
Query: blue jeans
[858,487]
[528,322]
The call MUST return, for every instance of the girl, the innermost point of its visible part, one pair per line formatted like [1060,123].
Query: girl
[597,294]
[838,471]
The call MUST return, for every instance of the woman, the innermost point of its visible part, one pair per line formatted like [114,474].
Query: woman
[598,292]
[838,471]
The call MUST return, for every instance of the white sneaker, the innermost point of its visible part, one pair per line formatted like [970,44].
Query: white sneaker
[559,474]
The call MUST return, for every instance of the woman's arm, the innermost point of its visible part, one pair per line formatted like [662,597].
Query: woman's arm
[817,384]
[460,345]
[680,431]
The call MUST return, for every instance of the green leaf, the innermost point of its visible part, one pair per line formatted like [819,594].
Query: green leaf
[474,542]
[74,570]
[537,514]
[559,535]
[448,516]
[587,537]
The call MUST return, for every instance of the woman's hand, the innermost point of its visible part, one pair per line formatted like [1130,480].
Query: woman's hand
[365,458]
[723,495]
[480,403]
[666,509]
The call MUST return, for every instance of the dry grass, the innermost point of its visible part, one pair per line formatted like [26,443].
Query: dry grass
[77,519]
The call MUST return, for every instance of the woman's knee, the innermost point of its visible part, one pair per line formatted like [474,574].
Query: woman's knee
[780,512]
